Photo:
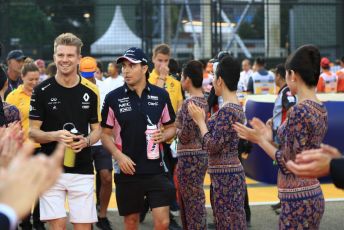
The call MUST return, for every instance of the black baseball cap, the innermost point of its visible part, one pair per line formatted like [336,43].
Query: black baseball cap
[16,54]
[134,55]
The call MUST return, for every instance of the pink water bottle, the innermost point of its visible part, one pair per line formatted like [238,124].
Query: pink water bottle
[152,148]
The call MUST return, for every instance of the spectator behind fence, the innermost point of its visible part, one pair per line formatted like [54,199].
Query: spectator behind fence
[327,80]
[245,75]
[262,81]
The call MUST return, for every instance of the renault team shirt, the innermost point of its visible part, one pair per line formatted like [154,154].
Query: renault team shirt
[126,113]
[64,108]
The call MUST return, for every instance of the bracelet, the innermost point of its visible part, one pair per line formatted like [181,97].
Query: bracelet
[88,141]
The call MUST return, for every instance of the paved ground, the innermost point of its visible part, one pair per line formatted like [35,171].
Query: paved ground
[263,218]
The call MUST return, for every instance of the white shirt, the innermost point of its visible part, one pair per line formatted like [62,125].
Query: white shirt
[113,83]
[243,80]
[106,87]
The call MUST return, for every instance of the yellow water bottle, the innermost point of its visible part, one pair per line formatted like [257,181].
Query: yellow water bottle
[69,156]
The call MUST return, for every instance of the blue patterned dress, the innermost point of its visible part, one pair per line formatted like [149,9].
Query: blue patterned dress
[191,168]
[226,172]
[302,199]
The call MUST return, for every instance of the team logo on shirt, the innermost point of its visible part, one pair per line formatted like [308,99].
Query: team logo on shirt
[124,107]
[53,102]
[85,103]
[86,97]
[153,103]
[151,97]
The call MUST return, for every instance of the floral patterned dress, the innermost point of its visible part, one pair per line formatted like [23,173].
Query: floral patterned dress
[226,172]
[302,199]
[191,168]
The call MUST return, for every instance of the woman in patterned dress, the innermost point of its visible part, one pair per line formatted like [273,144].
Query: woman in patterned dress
[220,139]
[305,127]
[192,159]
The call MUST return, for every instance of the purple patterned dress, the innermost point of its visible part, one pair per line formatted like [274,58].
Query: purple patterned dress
[191,168]
[302,199]
[226,172]
[11,113]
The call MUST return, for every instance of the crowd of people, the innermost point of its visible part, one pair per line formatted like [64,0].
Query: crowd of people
[156,134]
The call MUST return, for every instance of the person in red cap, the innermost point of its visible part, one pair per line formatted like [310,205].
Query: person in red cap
[327,81]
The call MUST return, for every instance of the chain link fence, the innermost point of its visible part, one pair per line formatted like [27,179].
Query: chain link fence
[193,28]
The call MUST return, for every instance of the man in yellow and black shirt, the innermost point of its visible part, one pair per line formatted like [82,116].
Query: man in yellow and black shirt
[161,77]
[59,106]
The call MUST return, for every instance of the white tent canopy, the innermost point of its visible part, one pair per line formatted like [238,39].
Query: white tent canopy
[117,38]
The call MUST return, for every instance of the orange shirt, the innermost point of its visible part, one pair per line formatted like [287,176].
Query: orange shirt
[340,80]
[327,82]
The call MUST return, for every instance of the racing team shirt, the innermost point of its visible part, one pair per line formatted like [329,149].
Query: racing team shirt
[127,113]
[66,108]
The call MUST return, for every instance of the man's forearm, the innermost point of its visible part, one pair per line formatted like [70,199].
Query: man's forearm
[94,136]
[109,145]
[42,137]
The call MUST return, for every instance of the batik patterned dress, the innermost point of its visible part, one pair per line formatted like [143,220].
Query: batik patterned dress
[302,199]
[226,172]
[191,167]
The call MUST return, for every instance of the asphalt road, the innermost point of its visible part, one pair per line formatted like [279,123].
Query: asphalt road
[263,218]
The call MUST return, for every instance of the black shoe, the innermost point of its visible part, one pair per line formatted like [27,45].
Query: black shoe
[276,206]
[38,226]
[174,225]
[103,223]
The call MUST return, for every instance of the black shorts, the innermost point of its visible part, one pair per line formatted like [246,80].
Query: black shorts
[101,157]
[131,190]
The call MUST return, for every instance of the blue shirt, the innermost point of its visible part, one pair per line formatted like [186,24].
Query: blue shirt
[127,113]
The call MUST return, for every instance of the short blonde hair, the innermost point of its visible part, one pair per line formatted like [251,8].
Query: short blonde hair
[162,49]
[68,39]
